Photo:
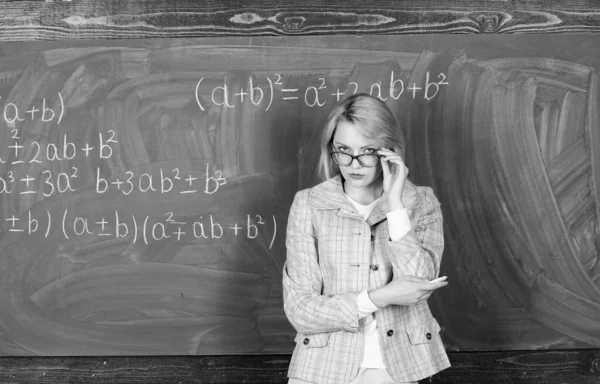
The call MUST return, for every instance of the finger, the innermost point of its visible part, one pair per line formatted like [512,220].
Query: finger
[433,286]
[416,279]
[439,285]
[390,155]
[387,152]
[441,278]
[386,168]
[398,164]
[394,159]
[397,161]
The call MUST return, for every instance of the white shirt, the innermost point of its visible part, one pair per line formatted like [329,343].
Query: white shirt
[398,225]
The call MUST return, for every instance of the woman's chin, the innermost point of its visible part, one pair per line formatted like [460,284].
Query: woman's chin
[358,183]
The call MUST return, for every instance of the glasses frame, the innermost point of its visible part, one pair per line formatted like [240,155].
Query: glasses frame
[332,154]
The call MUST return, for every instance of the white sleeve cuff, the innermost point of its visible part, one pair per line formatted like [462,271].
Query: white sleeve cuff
[398,224]
[365,305]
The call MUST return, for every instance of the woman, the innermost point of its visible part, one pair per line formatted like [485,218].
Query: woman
[362,247]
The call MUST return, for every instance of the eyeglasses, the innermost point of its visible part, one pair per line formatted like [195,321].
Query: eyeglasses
[365,160]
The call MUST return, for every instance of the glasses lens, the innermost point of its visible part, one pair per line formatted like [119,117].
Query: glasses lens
[342,158]
[369,160]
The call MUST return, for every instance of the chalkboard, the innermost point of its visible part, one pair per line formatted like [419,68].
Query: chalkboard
[145,185]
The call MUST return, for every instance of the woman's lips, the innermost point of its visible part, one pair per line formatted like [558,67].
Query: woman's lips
[356,175]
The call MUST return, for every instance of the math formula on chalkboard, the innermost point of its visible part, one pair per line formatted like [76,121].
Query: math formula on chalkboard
[316,96]
[164,182]
[259,93]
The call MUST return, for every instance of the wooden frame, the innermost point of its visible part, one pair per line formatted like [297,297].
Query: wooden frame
[114,19]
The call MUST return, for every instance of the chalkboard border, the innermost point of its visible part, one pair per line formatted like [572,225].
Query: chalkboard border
[58,20]
[540,367]
[140,19]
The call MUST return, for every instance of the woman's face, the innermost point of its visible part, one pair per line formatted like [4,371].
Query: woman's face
[348,138]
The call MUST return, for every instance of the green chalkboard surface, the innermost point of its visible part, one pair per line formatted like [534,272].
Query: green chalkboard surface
[145,185]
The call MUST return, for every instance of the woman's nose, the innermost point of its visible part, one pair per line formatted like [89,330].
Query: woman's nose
[355,164]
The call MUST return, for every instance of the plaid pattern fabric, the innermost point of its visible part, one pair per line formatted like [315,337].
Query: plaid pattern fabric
[330,254]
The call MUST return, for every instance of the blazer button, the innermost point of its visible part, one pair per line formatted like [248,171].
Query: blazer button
[428,336]
[372,238]
[306,341]
[374,267]
[390,332]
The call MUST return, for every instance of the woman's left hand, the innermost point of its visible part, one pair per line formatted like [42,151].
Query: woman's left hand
[394,177]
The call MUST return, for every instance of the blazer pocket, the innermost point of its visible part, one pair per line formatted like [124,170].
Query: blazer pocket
[424,333]
[315,340]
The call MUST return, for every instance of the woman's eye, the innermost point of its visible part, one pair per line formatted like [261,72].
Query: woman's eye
[370,150]
[343,149]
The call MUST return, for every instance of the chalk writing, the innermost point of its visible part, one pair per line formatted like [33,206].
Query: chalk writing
[11,113]
[66,150]
[162,183]
[315,96]
[142,229]
[31,171]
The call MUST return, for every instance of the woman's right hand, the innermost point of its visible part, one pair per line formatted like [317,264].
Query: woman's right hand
[405,290]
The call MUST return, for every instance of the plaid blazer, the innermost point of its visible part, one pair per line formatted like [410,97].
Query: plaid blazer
[331,257]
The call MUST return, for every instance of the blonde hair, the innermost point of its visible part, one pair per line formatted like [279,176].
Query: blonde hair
[370,114]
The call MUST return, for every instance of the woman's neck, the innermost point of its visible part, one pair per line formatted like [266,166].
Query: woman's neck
[364,196]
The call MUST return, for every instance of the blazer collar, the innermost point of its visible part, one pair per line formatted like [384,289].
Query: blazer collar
[330,195]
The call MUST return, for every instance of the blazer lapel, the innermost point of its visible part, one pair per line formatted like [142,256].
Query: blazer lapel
[379,212]
[330,195]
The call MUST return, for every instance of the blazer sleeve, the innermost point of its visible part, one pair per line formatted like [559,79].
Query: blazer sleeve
[305,307]
[419,252]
